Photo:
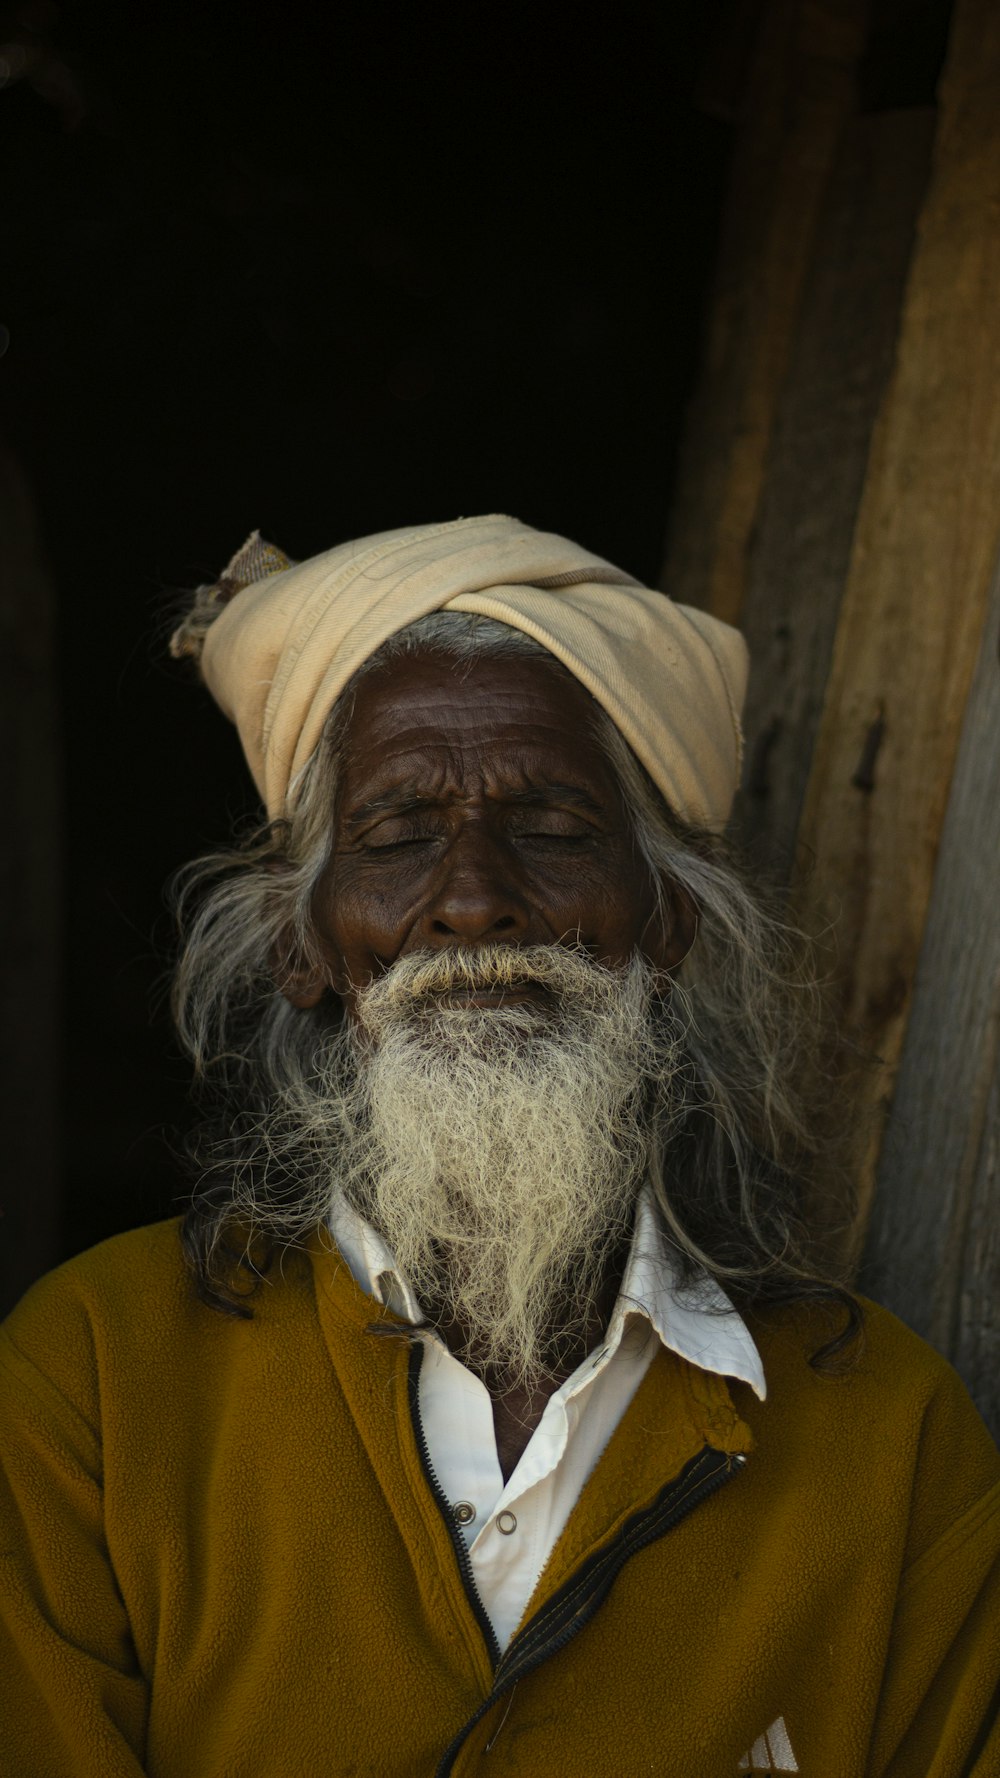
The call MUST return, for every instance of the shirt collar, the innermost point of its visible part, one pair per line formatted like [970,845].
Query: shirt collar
[371,1262]
[696,1320]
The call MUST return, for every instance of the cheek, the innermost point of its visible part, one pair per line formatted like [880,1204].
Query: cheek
[609,903]
[357,921]
[630,912]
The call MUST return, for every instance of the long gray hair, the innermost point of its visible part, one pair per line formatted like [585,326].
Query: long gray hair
[756,1162]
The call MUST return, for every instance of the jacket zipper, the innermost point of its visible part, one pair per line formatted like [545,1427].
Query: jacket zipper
[458,1541]
[578,1599]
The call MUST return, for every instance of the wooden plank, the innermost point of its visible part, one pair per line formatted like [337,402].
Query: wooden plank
[800,93]
[839,367]
[933,1249]
[975,1351]
[30,899]
[925,545]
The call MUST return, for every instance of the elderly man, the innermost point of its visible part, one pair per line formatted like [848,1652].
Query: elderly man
[482,1414]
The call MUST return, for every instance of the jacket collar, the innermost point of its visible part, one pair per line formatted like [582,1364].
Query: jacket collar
[695,1320]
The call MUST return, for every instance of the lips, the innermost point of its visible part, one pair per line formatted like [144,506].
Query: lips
[493,995]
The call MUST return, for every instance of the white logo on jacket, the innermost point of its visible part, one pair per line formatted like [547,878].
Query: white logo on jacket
[771,1752]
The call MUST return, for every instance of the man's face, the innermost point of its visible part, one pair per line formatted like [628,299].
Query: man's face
[475,807]
[483,919]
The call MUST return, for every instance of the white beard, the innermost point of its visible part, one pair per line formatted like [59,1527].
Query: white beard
[499,1151]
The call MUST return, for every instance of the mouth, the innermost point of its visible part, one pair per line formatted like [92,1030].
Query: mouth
[492,998]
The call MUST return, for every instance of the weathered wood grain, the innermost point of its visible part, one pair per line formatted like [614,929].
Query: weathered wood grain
[30,901]
[840,363]
[933,1248]
[800,94]
[924,548]
[976,1348]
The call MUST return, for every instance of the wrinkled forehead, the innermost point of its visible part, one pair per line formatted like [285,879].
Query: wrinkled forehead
[515,721]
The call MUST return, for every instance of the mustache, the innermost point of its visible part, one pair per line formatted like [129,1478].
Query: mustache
[429,976]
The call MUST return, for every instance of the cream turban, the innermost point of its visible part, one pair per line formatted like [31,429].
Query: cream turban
[280,651]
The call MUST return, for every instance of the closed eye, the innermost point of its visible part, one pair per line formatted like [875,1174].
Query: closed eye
[398,845]
[556,839]
[408,842]
[554,826]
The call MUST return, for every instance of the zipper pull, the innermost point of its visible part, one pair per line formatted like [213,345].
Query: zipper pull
[491,1743]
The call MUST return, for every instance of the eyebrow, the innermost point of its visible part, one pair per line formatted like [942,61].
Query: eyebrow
[405,800]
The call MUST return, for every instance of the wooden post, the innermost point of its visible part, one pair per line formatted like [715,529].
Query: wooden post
[839,494]
[927,538]
[841,360]
[933,1251]
[800,94]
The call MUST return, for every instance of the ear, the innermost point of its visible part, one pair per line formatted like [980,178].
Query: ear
[303,987]
[302,981]
[672,930]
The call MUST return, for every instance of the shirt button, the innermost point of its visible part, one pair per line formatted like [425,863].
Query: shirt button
[506,1522]
[463,1512]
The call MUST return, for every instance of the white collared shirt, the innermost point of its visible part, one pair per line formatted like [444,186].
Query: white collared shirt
[511,1528]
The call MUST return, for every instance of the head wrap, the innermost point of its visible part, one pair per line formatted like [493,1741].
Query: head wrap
[279,642]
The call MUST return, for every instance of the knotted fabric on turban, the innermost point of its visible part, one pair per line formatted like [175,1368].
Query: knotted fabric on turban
[284,646]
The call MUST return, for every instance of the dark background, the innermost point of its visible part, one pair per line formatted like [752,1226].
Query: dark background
[321,270]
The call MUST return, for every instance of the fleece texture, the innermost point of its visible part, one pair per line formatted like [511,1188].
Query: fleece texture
[221,1555]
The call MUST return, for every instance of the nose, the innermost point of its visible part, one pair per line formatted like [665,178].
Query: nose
[475,898]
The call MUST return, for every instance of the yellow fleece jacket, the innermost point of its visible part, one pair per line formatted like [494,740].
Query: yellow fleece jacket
[222,1556]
